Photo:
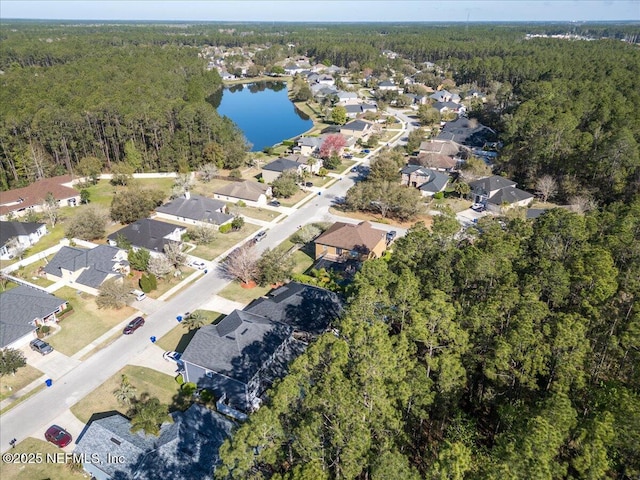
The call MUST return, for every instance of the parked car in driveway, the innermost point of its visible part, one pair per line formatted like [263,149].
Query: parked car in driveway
[172,357]
[391,236]
[274,203]
[478,207]
[40,346]
[259,236]
[58,436]
[133,325]
[198,264]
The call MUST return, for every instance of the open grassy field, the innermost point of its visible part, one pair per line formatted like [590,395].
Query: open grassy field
[46,470]
[10,384]
[223,242]
[145,380]
[235,292]
[86,323]
[179,337]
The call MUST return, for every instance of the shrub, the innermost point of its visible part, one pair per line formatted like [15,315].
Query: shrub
[188,388]
[237,223]
[235,173]
[240,203]
[206,396]
[226,228]
[438,196]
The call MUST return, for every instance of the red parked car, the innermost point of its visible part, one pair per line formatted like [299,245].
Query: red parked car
[58,436]
[133,325]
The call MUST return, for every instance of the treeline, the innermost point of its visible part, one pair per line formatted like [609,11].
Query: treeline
[512,353]
[144,105]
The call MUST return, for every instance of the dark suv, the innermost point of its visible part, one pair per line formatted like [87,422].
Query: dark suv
[40,346]
[133,325]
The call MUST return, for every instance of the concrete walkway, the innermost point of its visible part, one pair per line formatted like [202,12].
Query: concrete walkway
[219,304]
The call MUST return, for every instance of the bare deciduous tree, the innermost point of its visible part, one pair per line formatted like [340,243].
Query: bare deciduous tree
[208,172]
[202,234]
[175,255]
[51,208]
[547,187]
[241,264]
[582,203]
[159,265]
[113,294]
[182,184]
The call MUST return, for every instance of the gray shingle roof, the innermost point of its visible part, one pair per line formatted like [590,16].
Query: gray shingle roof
[509,196]
[15,229]
[245,190]
[146,233]
[19,307]
[490,184]
[99,260]
[238,346]
[198,208]
[280,165]
[186,449]
[357,125]
[466,131]
[304,307]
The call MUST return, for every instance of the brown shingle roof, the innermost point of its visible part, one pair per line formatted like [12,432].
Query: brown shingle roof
[434,160]
[245,190]
[440,147]
[34,194]
[351,237]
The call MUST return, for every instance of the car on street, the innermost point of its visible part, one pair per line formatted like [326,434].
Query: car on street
[198,264]
[391,236]
[58,436]
[133,325]
[172,357]
[259,236]
[478,207]
[274,203]
[40,346]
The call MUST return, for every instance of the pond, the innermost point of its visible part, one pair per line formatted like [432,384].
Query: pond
[263,112]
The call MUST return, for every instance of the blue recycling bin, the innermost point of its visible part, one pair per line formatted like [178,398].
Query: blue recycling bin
[48,382]
[153,339]
[179,318]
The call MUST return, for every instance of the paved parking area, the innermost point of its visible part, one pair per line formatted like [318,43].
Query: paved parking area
[469,217]
[71,424]
[53,365]
[152,358]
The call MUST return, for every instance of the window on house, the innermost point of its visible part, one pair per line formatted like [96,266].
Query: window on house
[338,251]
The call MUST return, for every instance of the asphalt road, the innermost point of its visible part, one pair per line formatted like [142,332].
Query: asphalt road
[34,415]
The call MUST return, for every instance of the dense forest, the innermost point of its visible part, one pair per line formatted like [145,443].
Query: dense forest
[510,353]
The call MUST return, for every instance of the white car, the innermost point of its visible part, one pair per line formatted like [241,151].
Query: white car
[172,356]
[478,207]
[198,264]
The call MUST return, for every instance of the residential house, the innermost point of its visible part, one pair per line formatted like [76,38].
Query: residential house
[87,269]
[274,169]
[445,96]
[387,85]
[19,235]
[428,181]
[292,69]
[353,111]
[443,107]
[440,155]
[19,201]
[357,128]
[187,449]
[346,240]
[466,131]
[252,193]
[308,145]
[196,210]
[231,357]
[347,98]
[497,192]
[150,234]
[305,308]
[321,91]
[22,310]
[306,163]
[434,161]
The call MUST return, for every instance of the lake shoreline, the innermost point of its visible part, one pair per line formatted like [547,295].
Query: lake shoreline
[301,107]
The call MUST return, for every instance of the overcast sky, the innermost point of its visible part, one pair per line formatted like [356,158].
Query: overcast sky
[327,10]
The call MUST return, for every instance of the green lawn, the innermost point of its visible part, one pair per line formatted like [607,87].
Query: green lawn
[145,380]
[164,284]
[102,192]
[256,212]
[29,273]
[179,337]
[10,384]
[31,471]
[223,242]
[235,292]
[86,323]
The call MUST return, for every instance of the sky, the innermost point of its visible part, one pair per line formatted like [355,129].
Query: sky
[324,11]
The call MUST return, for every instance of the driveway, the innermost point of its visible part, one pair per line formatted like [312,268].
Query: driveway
[152,358]
[53,365]
[469,217]
[70,423]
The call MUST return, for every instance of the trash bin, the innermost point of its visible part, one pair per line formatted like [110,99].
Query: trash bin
[48,382]
[179,318]
[153,339]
